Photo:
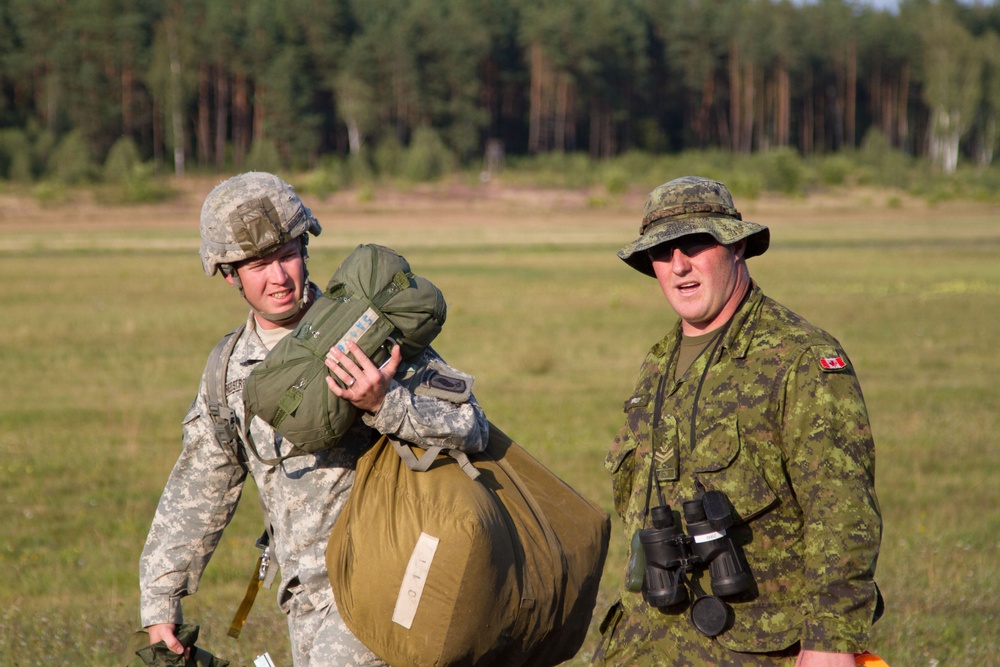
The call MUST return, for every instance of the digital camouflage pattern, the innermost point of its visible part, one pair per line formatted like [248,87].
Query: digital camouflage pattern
[248,216]
[782,429]
[301,499]
[691,205]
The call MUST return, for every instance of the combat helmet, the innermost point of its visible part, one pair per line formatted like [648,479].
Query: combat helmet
[691,205]
[249,216]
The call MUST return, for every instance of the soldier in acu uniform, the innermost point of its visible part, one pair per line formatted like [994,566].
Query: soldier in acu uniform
[254,230]
[747,406]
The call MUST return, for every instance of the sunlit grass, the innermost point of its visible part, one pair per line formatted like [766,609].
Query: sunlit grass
[107,330]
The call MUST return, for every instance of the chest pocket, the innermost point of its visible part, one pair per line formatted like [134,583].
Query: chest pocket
[723,461]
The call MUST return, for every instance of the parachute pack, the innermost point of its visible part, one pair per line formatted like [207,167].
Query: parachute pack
[372,297]
[437,568]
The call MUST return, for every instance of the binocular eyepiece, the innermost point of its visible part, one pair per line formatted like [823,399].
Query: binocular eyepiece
[668,554]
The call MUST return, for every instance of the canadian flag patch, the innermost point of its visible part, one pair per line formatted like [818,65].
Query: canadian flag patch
[832,363]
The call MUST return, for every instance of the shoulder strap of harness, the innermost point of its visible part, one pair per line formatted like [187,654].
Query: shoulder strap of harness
[215,387]
[224,421]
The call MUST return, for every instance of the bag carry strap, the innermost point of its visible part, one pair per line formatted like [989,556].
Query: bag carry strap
[429,455]
[262,575]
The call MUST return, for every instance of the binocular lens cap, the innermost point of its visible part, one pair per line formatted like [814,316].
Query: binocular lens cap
[709,615]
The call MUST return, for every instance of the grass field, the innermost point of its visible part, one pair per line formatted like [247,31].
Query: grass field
[108,321]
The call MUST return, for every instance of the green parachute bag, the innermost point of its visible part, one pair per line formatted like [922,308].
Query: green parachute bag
[372,297]
[143,654]
[499,566]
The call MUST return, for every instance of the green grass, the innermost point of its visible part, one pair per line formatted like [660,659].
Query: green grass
[106,332]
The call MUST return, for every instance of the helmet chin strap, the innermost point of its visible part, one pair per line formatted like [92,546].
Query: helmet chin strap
[291,313]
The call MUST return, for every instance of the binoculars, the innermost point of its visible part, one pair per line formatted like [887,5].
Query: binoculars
[669,554]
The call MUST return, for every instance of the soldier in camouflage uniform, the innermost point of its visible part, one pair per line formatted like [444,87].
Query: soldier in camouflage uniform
[745,397]
[254,229]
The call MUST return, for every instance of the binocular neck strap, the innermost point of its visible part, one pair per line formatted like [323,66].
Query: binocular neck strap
[658,408]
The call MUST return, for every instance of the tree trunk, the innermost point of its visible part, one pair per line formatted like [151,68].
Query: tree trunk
[595,128]
[241,119]
[851,95]
[746,133]
[760,110]
[820,109]
[561,111]
[701,125]
[354,135]
[570,117]
[735,117]
[204,116]
[221,114]
[127,101]
[51,97]
[988,140]
[176,93]
[259,104]
[838,110]
[783,106]
[157,136]
[877,105]
[902,128]
[808,122]
[535,101]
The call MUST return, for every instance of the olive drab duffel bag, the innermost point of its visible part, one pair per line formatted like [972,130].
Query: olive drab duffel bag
[372,297]
[438,568]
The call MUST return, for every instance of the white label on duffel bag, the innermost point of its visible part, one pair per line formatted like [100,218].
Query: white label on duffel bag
[414,579]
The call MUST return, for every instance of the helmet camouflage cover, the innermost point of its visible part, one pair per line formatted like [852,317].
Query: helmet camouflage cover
[691,205]
[249,216]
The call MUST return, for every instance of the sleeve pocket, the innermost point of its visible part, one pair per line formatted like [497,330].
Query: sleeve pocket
[628,438]
[620,461]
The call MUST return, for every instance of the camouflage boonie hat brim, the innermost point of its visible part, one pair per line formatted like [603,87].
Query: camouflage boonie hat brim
[691,205]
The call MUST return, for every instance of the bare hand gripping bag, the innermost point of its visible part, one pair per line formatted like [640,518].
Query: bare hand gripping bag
[437,568]
[372,296]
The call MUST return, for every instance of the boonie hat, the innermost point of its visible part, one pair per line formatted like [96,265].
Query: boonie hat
[691,205]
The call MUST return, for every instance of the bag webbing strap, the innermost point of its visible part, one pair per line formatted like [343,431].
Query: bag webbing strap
[223,418]
[427,458]
[262,575]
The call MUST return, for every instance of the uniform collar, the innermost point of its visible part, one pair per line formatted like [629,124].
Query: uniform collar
[740,334]
[744,324]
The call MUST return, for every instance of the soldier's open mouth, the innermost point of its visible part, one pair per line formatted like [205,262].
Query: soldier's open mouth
[686,288]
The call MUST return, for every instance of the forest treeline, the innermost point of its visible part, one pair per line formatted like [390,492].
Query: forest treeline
[184,84]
